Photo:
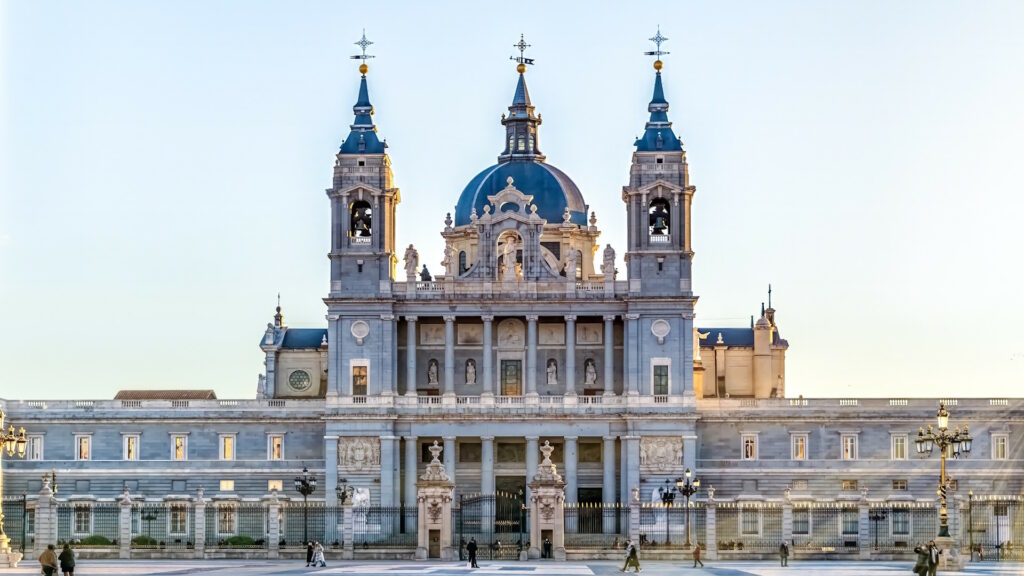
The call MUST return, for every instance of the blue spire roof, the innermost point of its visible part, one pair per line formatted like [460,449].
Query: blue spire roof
[522,96]
[362,139]
[658,135]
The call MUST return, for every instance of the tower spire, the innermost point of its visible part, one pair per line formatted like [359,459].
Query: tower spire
[521,124]
[278,317]
[658,135]
[362,138]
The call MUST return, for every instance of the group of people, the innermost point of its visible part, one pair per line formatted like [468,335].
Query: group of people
[315,554]
[927,559]
[51,562]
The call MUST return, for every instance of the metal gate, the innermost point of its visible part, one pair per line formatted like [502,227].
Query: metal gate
[497,522]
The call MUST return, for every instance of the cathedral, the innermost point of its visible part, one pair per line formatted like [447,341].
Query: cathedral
[529,336]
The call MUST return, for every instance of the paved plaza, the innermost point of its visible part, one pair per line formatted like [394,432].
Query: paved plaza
[224,567]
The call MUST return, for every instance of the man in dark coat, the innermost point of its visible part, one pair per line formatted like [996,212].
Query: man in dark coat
[309,553]
[921,566]
[933,558]
[471,548]
[784,553]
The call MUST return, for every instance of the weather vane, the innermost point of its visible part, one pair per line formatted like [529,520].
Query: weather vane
[657,39]
[363,44]
[522,60]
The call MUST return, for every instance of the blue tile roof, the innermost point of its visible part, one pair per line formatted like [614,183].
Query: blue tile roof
[658,135]
[303,337]
[735,336]
[552,191]
[362,139]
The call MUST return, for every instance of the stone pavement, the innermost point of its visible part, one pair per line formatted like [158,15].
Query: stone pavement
[433,568]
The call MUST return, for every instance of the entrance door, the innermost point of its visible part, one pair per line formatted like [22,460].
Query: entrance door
[435,544]
[511,378]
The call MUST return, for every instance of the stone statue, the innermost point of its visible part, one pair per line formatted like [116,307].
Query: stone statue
[432,372]
[471,372]
[447,261]
[508,269]
[425,274]
[589,373]
[697,337]
[412,262]
[552,372]
[608,268]
[570,264]
[261,386]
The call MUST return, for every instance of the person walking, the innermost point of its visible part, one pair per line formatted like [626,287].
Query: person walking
[933,558]
[921,566]
[471,548]
[48,560]
[632,559]
[309,553]
[67,561]
[784,553]
[696,556]
[318,555]
[629,546]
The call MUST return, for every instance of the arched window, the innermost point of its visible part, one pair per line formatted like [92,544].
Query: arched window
[462,262]
[659,220]
[361,224]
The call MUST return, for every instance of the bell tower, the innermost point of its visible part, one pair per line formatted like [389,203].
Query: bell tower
[363,202]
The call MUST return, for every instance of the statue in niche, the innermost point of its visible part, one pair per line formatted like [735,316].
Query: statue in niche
[552,372]
[570,264]
[608,268]
[432,372]
[508,262]
[470,372]
[412,261]
[447,261]
[589,372]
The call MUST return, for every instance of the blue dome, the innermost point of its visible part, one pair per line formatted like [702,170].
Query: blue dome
[551,189]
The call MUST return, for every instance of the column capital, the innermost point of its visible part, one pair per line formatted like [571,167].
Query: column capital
[488,318]
[632,316]
[448,438]
[387,317]
[331,436]
[609,317]
[609,438]
[532,438]
[487,438]
[411,318]
[449,317]
[570,438]
[570,317]
[410,438]
[334,317]
[532,317]
[390,437]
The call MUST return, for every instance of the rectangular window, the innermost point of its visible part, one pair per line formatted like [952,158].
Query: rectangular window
[83,447]
[275,447]
[227,485]
[849,485]
[660,379]
[179,447]
[34,448]
[749,447]
[275,485]
[851,521]
[227,446]
[30,521]
[801,521]
[359,379]
[750,521]
[900,485]
[900,522]
[226,520]
[849,444]
[999,444]
[130,447]
[798,446]
[178,520]
[899,447]
[83,520]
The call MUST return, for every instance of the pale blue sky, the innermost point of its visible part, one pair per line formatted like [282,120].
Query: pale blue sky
[163,170]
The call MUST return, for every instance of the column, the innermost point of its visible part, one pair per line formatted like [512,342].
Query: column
[690,453]
[571,480]
[273,506]
[532,452]
[125,529]
[330,468]
[711,526]
[412,458]
[387,382]
[449,456]
[200,523]
[398,472]
[609,355]
[608,480]
[410,355]
[333,348]
[488,368]
[570,355]
[685,370]
[387,470]
[787,521]
[864,526]
[632,471]
[531,358]
[487,464]
[449,355]
[631,381]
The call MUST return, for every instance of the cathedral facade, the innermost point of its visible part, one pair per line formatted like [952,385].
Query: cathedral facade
[529,334]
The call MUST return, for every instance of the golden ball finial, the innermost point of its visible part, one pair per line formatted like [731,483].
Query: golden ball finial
[521,68]
[657,65]
[363,68]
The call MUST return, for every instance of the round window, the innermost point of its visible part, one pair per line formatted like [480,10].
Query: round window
[299,380]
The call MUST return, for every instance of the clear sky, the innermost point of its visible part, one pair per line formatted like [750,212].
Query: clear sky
[163,167]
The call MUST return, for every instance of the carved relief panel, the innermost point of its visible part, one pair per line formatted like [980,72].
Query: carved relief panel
[359,454]
[661,453]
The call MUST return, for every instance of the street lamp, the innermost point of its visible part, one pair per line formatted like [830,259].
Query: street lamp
[951,445]
[877,515]
[970,521]
[343,490]
[305,485]
[687,489]
[13,444]
[668,497]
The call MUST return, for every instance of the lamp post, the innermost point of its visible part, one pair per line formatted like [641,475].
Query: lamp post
[950,445]
[305,485]
[687,489]
[877,515]
[343,490]
[13,444]
[970,521]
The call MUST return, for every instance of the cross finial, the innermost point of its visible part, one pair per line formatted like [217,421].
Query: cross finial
[363,44]
[522,60]
[657,39]
[769,295]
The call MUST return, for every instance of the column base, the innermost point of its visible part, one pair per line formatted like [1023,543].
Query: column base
[533,553]
[949,555]
[558,554]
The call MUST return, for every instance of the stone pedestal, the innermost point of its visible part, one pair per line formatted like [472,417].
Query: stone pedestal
[273,505]
[547,498]
[124,549]
[348,543]
[434,493]
[199,504]
[950,557]
[711,526]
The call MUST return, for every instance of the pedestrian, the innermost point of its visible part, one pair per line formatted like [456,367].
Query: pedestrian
[318,555]
[547,548]
[471,548]
[784,553]
[67,561]
[921,566]
[696,556]
[631,557]
[48,560]
[309,553]
[933,558]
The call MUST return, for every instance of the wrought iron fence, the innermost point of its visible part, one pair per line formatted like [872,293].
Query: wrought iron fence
[596,525]
[497,522]
[16,522]
[665,526]
[88,523]
[749,526]
[384,527]
[236,524]
[996,527]
[317,522]
[163,525]
[826,526]
[895,527]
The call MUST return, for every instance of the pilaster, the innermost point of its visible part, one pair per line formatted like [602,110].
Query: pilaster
[711,526]
[570,355]
[199,505]
[274,526]
[449,355]
[488,366]
[410,355]
[124,535]
[609,355]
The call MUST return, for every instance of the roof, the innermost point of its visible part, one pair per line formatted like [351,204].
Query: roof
[363,137]
[735,337]
[165,395]
[552,191]
[658,135]
[303,337]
